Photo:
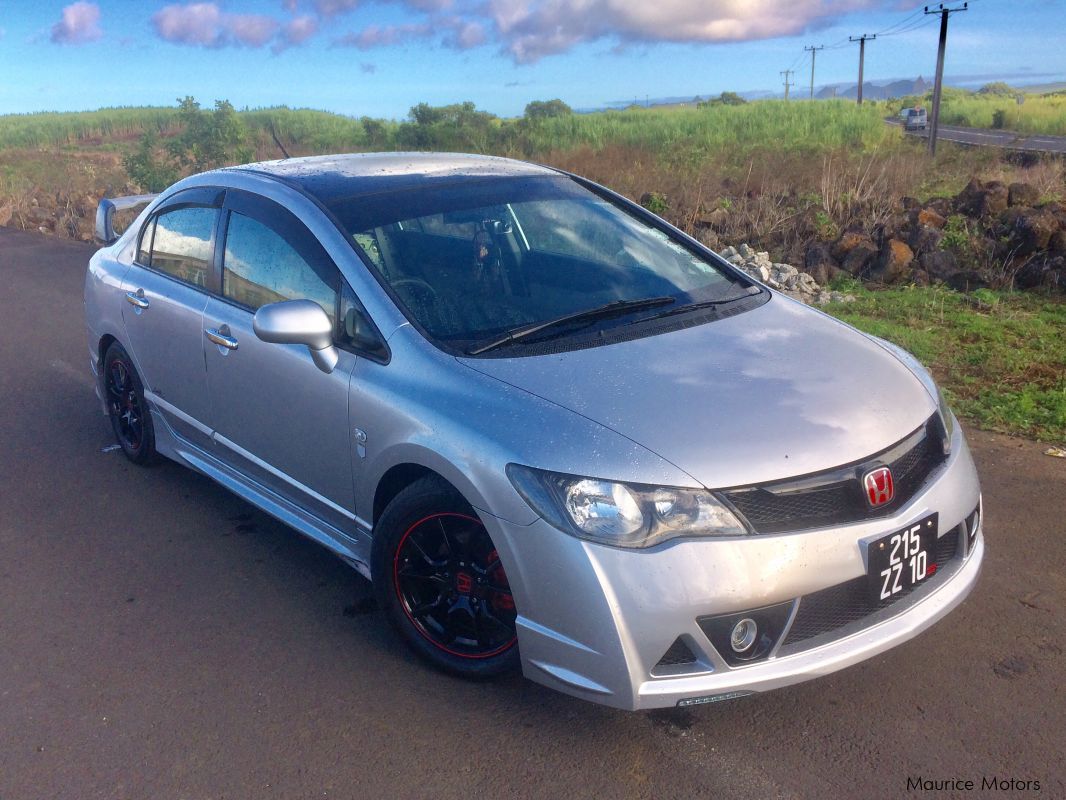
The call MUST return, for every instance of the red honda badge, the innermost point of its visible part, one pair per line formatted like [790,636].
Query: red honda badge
[879,486]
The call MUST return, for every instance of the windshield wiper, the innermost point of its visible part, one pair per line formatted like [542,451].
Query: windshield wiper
[753,290]
[608,310]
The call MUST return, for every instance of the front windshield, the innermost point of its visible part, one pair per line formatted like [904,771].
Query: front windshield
[473,260]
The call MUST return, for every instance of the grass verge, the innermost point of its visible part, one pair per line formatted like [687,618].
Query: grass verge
[1000,357]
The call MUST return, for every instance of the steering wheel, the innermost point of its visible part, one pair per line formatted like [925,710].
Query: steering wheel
[417,282]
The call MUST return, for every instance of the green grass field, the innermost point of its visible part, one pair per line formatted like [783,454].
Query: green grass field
[999,356]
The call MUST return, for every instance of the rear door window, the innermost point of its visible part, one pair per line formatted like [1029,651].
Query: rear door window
[182,245]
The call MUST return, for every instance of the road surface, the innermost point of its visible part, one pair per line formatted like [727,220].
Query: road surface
[1008,140]
[160,639]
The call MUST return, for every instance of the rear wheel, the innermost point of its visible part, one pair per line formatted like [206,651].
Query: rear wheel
[440,579]
[130,419]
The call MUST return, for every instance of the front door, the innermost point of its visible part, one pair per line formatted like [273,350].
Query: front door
[277,417]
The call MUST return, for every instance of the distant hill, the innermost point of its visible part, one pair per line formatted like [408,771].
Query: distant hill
[877,91]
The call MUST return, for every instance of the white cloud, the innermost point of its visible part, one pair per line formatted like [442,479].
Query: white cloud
[206,25]
[79,23]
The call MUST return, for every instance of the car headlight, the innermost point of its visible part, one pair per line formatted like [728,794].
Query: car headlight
[622,514]
[947,419]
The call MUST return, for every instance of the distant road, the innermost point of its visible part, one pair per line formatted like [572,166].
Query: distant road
[989,138]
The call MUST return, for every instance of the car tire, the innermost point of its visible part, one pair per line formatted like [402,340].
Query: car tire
[439,579]
[130,418]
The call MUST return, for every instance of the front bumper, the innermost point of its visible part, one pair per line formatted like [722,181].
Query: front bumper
[595,621]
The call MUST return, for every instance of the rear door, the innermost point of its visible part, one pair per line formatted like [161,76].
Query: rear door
[166,294]
[277,417]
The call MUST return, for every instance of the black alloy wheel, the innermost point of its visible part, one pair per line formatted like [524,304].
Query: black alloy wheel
[441,579]
[126,406]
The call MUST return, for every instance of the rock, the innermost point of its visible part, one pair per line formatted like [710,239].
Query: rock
[848,241]
[1022,194]
[745,252]
[858,261]
[919,277]
[930,218]
[817,262]
[893,262]
[938,264]
[941,205]
[715,219]
[1056,244]
[1032,231]
[967,281]
[728,253]
[708,238]
[6,212]
[924,239]
[909,203]
[982,200]
[1040,271]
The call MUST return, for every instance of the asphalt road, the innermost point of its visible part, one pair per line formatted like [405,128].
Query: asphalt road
[991,138]
[160,639]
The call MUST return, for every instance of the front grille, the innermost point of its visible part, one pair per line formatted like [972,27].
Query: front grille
[846,603]
[836,497]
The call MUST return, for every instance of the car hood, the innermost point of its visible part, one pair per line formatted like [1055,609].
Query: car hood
[772,393]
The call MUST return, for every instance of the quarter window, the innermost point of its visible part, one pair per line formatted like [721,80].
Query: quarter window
[181,246]
[261,266]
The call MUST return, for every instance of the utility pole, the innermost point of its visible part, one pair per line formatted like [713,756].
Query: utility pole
[862,57]
[787,73]
[934,123]
[814,51]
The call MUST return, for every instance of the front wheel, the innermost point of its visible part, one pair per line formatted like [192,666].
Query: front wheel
[439,578]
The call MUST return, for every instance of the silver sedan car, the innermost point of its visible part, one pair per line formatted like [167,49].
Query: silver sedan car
[554,431]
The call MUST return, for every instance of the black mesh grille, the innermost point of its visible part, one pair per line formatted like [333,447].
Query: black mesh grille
[679,653]
[845,603]
[836,497]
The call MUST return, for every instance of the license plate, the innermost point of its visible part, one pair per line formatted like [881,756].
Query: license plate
[902,559]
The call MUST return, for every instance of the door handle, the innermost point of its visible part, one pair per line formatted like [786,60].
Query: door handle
[221,336]
[137,299]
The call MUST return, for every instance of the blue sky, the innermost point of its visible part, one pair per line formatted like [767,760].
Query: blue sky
[380,57]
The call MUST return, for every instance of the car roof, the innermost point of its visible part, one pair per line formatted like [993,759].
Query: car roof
[351,175]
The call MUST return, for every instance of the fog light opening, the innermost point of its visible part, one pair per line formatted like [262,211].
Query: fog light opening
[745,634]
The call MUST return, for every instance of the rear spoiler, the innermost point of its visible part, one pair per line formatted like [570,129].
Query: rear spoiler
[105,213]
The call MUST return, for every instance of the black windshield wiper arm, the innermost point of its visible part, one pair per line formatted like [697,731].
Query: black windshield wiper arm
[705,304]
[608,310]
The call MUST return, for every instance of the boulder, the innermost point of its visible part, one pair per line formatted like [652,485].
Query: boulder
[1056,244]
[967,281]
[715,219]
[982,199]
[1022,194]
[930,218]
[893,262]
[857,261]
[942,206]
[708,238]
[938,264]
[919,277]
[1043,270]
[924,239]
[1032,231]
[848,241]
[817,262]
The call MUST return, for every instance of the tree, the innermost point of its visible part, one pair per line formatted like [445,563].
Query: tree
[460,126]
[544,109]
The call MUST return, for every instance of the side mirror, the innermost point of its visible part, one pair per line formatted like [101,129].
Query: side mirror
[298,322]
[104,230]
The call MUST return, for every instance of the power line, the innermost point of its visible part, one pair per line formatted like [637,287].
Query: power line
[787,73]
[944,13]
[862,57]
[814,51]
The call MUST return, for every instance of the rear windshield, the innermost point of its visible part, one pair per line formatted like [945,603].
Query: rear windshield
[471,260]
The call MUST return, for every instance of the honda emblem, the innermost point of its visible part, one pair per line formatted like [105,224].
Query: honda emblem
[879,486]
